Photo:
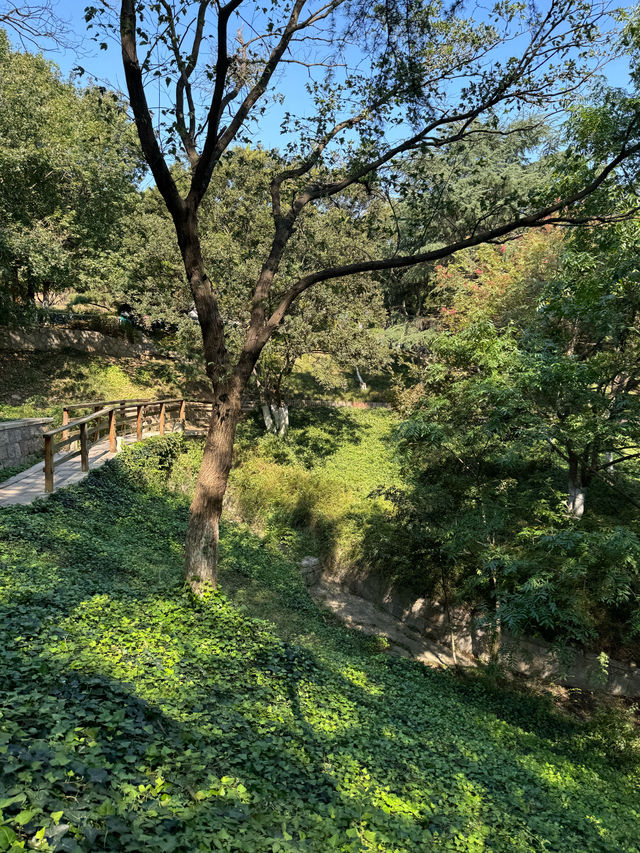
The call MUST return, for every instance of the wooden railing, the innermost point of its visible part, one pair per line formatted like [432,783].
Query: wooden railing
[106,419]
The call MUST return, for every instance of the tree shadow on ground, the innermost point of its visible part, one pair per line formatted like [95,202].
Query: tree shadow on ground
[154,721]
[314,440]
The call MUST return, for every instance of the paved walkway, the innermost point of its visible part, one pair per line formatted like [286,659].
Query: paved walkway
[25,487]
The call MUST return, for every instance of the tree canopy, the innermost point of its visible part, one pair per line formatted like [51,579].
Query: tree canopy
[70,164]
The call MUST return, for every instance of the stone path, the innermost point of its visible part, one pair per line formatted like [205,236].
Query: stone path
[356,612]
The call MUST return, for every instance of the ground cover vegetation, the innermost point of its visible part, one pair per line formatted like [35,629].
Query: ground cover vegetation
[407,232]
[137,716]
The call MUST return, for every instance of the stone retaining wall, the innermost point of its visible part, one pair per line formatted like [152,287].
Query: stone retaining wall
[21,439]
[531,657]
[338,404]
[53,340]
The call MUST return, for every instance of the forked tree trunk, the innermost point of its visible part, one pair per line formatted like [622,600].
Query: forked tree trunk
[201,547]
[201,550]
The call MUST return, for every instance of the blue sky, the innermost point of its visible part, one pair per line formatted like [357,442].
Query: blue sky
[106,66]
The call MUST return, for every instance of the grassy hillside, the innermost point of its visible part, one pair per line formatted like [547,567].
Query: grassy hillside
[133,717]
[313,491]
[37,384]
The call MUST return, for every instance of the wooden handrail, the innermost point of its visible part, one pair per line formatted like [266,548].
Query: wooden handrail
[117,413]
[77,421]
[104,403]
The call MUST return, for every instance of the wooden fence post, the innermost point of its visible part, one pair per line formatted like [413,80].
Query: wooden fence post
[139,423]
[48,463]
[84,448]
[162,418]
[112,431]
[65,421]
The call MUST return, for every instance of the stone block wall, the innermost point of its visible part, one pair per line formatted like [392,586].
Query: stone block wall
[21,439]
[46,339]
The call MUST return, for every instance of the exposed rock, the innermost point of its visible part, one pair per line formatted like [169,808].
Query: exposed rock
[311,570]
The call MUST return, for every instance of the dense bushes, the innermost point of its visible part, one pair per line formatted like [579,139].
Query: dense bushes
[134,717]
[429,505]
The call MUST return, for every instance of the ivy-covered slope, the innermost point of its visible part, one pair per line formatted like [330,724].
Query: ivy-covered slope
[135,718]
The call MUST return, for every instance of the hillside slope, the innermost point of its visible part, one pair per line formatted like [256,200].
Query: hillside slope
[37,383]
[134,717]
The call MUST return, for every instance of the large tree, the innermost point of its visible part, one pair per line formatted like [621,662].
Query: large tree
[384,80]
[69,164]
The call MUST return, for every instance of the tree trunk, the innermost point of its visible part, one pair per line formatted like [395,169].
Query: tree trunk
[201,550]
[361,382]
[281,419]
[609,458]
[209,315]
[576,492]
[266,416]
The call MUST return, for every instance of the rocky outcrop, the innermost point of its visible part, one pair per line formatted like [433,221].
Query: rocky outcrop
[420,617]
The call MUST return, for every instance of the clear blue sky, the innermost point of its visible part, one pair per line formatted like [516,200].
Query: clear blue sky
[106,66]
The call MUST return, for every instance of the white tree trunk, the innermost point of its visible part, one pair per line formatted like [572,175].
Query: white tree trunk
[609,458]
[361,382]
[281,419]
[576,500]
[268,420]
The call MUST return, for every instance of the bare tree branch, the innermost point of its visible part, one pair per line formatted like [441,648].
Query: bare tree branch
[35,23]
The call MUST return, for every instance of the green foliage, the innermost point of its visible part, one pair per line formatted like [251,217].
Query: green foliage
[311,490]
[69,162]
[528,395]
[340,318]
[135,717]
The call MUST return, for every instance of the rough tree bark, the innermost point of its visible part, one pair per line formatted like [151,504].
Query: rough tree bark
[201,553]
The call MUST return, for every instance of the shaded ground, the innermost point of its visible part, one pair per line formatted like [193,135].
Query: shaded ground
[134,717]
